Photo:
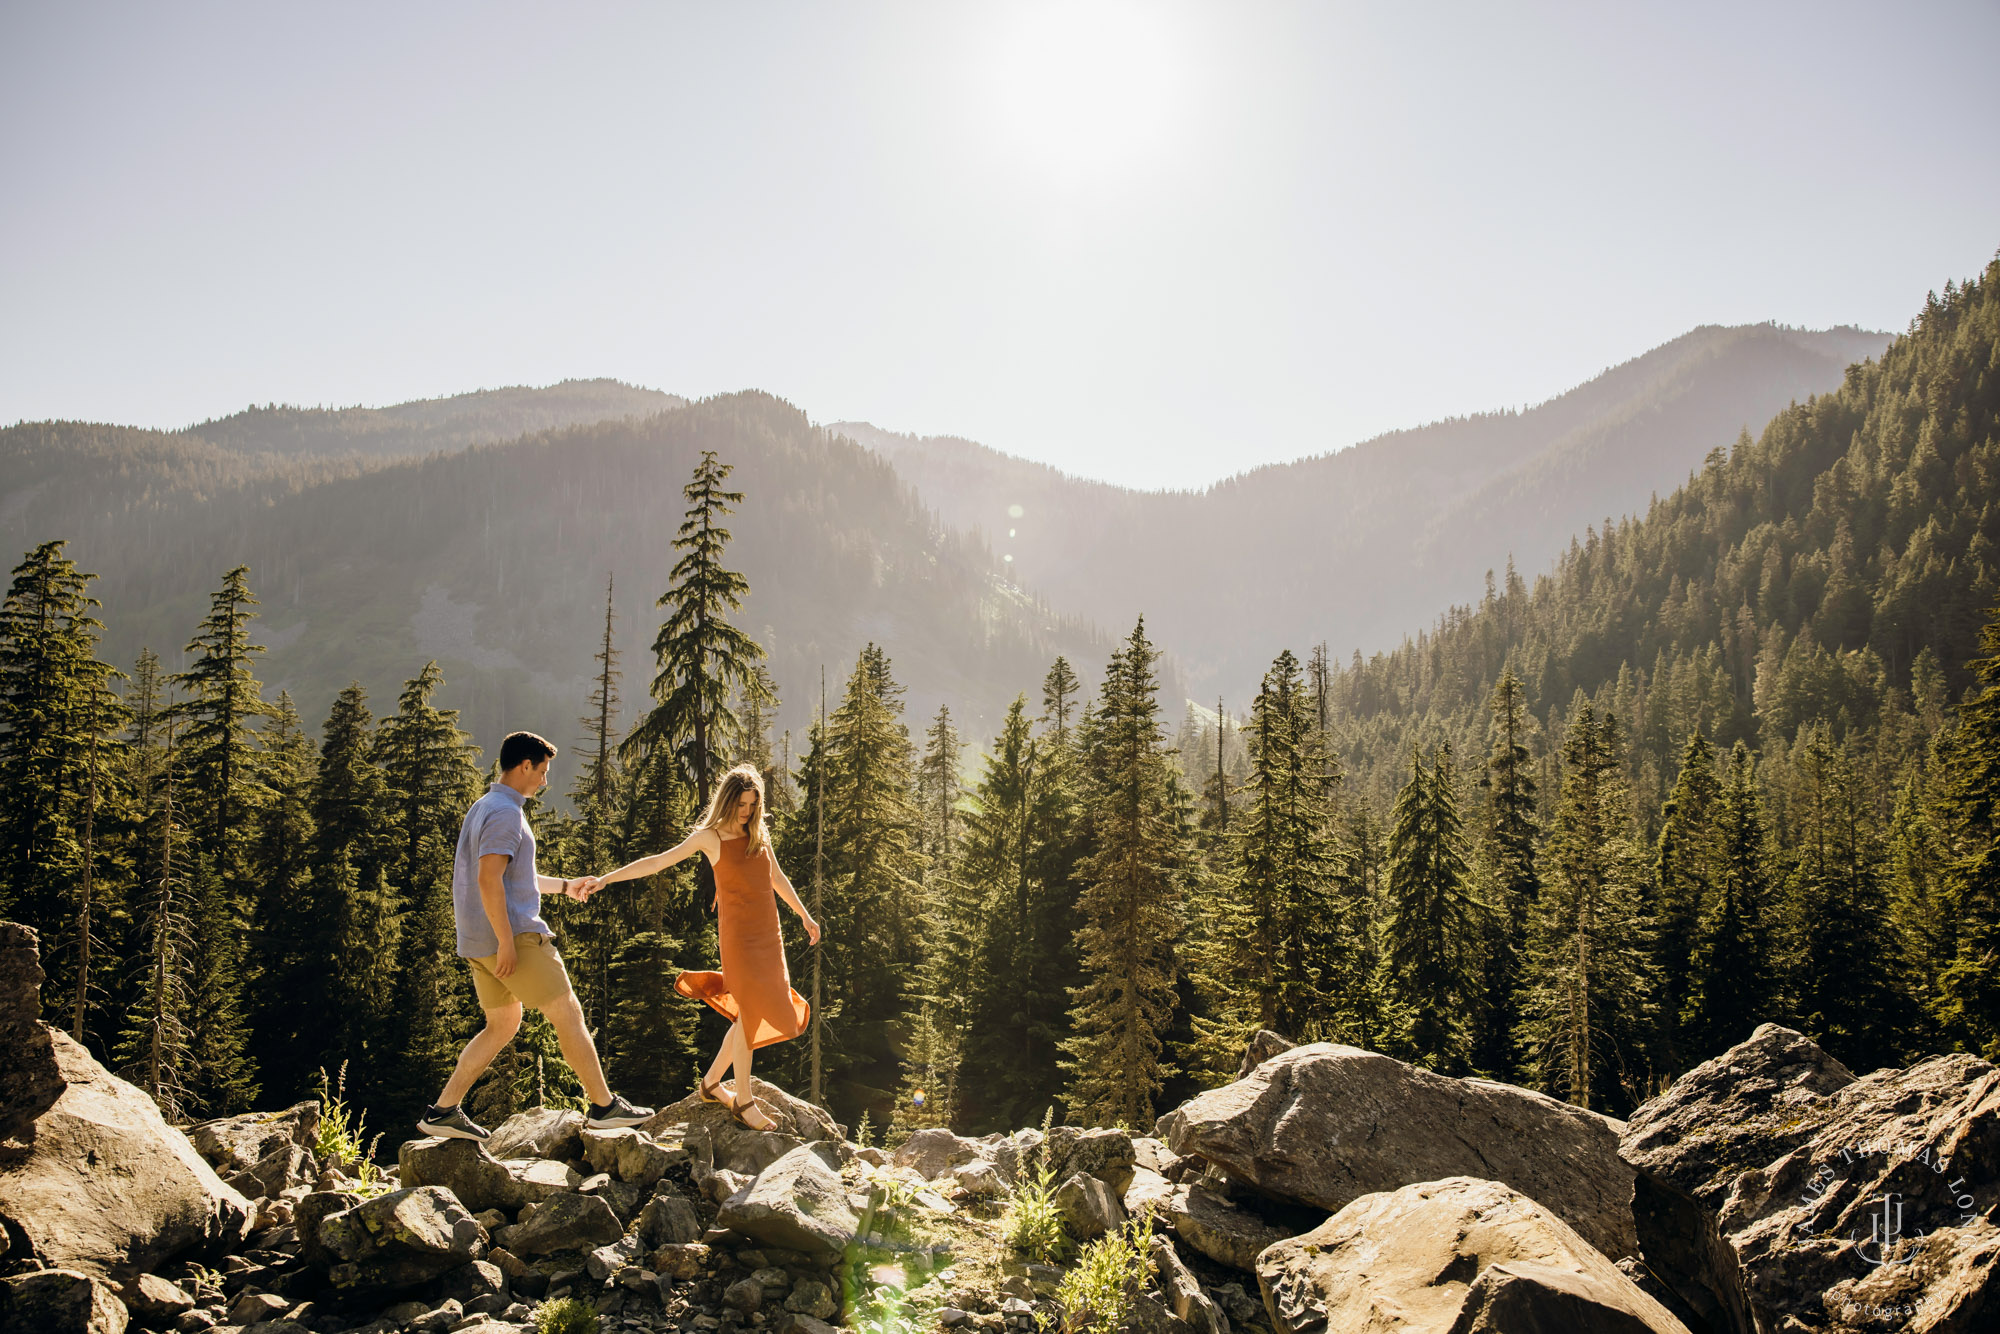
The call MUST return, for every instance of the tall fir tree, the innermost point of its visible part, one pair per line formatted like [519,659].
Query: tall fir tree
[1969,1003]
[1129,900]
[287,954]
[1434,923]
[1511,832]
[1919,911]
[702,658]
[1688,871]
[1729,989]
[154,1047]
[222,1070]
[222,702]
[1588,1026]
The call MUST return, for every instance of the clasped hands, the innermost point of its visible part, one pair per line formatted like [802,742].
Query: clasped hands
[582,887]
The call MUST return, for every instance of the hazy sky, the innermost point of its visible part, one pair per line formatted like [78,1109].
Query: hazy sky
[1150,242]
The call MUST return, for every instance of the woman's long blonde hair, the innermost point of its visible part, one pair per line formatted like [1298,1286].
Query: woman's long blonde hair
[722,806]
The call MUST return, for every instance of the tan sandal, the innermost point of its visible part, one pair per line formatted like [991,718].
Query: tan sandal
[707,1093]
[737,1110]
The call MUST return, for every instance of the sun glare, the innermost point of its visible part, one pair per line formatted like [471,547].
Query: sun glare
[1083,86]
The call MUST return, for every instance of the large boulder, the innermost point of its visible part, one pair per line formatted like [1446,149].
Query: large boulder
[60,1301]
[463,1167]
[30,1081]
[1419,1258]
[934,1150]
[632,1155]
[1107,1155]
[100,1183]
[1323,1125]
[539,1132]
[400,1240]
[1226,1234]
[797,1203]
[246,1145]
[1262,1046]
[1767,1176]
[566,1222]
[1089,1208]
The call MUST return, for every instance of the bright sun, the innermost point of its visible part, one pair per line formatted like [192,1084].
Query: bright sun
[1083,86]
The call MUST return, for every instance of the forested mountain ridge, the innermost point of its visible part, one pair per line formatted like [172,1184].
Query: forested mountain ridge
[1351,545]
[494,562]
[432,425]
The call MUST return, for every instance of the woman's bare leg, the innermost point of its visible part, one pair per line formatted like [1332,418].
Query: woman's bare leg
[724,1058]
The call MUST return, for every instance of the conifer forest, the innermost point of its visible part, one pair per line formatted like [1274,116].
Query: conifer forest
[1732,760]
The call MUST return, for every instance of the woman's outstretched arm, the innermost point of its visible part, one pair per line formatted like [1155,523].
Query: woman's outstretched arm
[783,884]
[702,840]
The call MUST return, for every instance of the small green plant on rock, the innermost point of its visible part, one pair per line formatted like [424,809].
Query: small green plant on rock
[342,1132]
[565,1315]
[1032,1225]
[1097,1293]
[864,1131]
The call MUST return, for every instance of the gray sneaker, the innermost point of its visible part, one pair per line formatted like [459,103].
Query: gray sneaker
[449,1123]
[616,1113]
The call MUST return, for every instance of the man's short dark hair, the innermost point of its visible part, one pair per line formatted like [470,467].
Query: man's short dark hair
[523,748]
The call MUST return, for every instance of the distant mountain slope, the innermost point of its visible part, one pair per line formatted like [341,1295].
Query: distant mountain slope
[433,425]
[1359,546]
[494,561]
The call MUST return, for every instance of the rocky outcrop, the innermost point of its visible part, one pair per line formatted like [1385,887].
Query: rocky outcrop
[104,1185]
[798,1203]
[1089,1208]
[567,1222]
[1455,1256]
[539,1132]
[475,1177]
[30,1083]
[261,1153]
[1323,1125]
[60,1301]
[1225,1233]
[932,1151]
[1262,1046]
[1767,1176]
[399,1240]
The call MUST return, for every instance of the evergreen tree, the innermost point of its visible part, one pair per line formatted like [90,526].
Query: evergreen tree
[1970,987]
[154,1047]
[222,1072]
[1434,922]
[1129,900]
[52,715]
[925,1094]
[288,951]
[1919,912]
[1301,952]
[701,656]
[593,931]
[1058,688]
[1845,1003]
[431,776]
[224,698]
[1511,834]
[651,1031]
[1588,1031]
[1688,871]
[1728,989]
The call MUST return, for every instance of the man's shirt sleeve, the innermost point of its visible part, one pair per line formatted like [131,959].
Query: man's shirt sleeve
[499,832]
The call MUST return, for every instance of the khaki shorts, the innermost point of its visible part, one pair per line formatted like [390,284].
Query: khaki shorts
[538,981]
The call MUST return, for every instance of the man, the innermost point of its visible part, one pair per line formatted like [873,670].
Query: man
[496,899]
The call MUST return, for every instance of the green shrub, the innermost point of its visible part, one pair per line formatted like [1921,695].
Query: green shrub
[342,1132]
[1097,1292]
[864,1132]
[1032,1225]
[565,1315]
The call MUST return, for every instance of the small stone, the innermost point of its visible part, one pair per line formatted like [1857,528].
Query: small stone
[151,1295]
[812,1297]
[194,1322]
[706,1322]
[950,1316]
[744,1295]
[251,1307]
[437,1321]
[404,1312]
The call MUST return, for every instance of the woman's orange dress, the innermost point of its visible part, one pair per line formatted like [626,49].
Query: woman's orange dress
[754,986]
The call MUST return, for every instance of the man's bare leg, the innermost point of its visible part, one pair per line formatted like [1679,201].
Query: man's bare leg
[487,1043]
[566,1016]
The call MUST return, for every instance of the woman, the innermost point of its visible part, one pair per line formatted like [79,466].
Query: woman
[754,989]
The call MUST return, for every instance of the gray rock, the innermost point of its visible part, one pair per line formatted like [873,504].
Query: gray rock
[632,1155]
[310,1212]
[1420,1252]
[252,1308]
[1088,1208]
[236,1144]
[1761,1171]
[60,1301]
[795,1117]
[276,1172]
[680,1262]
[933,1151]
[473,1281]
[107,1187]
[669,1219]
[624,1198]
[1183,1293]
[398,1241]
[798,1203]
[1207,1221]
[567,1222]
[1263,1045]
[1323,1124]
[30,1081]
[813,1297]
[798,1322]
[745,1295]
[606,1261]
[1149,1193]
[154,1299]
[463,1167]
[1107,1155]
[979,1178]
[439,1320]
[539,1178]
[539,1132]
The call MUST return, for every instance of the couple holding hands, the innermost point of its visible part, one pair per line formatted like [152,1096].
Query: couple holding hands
[496,901]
